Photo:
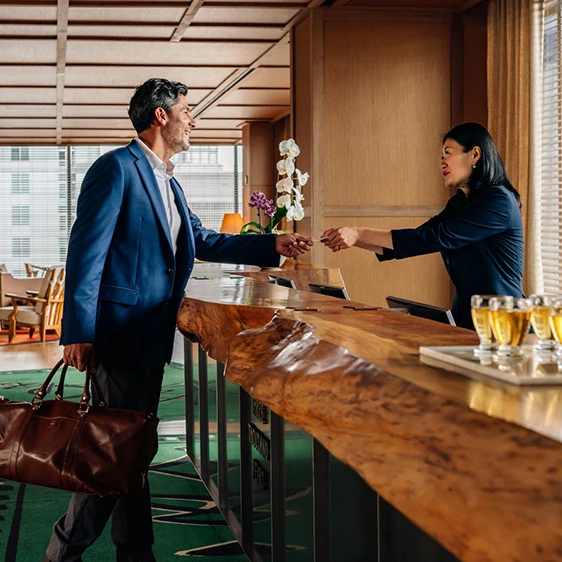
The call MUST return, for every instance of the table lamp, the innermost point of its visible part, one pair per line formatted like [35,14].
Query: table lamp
[232,223]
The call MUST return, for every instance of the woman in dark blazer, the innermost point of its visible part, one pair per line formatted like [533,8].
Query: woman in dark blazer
[479,233]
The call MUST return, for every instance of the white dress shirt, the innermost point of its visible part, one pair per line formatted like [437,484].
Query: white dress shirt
[164,174]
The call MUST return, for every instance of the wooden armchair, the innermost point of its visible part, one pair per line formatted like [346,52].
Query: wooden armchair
[32,270]
[17,286]
[43,311]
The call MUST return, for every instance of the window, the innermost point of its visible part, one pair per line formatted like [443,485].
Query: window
[20,153]
[551,149]
[20,215]
[41,194]
[20,183]
[21,247]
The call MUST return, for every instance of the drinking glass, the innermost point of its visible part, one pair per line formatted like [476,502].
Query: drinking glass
[510,323]
[540,320]
[556,322]
[482,320]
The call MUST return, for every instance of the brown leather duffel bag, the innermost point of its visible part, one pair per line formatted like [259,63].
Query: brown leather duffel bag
[75,446]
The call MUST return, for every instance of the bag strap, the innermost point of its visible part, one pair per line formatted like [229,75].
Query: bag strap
[42,392]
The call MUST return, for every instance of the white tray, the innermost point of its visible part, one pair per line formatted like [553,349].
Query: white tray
[528,369]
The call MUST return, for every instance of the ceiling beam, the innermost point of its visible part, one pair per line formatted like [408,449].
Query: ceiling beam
[186,20]
[62,35]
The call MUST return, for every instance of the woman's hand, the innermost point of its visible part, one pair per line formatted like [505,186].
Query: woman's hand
[340,238]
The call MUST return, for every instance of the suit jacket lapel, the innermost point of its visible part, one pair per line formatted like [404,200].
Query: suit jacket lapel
[184,212]
[151,186]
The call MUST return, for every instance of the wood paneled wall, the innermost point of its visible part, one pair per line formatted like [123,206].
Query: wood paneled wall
[258,164]
[372,96]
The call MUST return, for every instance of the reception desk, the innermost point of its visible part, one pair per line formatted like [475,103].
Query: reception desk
[395,451]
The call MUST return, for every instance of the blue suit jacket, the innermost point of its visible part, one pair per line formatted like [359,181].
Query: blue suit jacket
[480,238]
[124,284]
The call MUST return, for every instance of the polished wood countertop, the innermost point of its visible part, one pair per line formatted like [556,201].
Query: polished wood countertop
[473,462]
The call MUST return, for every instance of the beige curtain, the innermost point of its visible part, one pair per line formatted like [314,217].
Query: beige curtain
[514,47]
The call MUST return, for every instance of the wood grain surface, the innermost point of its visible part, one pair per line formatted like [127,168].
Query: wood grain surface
[453,454]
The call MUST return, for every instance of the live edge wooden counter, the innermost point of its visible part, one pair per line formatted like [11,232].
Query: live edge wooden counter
[476,464]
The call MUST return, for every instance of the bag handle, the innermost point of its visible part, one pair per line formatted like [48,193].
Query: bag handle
[84,399]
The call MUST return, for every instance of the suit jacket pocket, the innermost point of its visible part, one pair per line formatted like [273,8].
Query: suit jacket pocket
[119,295]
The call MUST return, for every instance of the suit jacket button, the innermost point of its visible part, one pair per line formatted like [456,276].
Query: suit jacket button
[170,271]
[166,303]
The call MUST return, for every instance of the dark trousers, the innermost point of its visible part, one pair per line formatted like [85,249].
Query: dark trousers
[131,516]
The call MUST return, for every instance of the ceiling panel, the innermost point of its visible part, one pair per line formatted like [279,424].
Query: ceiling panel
[218,124]
[100,111]
[27,75]
[207,133]
[246,112]
[149,52]
[36,110]
[25,124]
[28,30]
[269,78]
[99,133]
[37,51]
[132,14]
[245,15]
[227,32]
[110,49]
[131,77]
[31,95]
[280,56]
[121,96]
[121,31]
[89,123]
[245,96]
[17,134]
[28,13]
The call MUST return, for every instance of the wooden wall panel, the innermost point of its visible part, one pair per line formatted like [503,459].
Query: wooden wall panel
[258,164]
[422,278]
[386,104]
[474,61]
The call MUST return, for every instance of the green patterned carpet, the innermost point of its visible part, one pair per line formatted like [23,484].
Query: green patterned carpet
[187,524]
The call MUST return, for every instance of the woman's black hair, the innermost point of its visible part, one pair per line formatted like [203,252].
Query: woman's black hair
[154,93]
[490,169]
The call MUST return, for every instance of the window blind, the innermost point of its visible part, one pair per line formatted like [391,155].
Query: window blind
[39,187]
[551,148]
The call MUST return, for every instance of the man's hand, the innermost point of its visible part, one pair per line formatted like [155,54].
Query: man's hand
[80,356]
[340,238]
[292,245]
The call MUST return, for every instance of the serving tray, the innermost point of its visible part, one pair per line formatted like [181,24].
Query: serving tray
[526,369]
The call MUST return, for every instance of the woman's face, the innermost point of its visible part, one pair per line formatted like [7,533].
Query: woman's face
[456,165]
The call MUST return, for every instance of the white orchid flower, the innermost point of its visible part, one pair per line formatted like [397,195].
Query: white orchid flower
[296,212]
[286,167]
[289,148]
[302,178]
[284,185]
[284,201]
[298,195]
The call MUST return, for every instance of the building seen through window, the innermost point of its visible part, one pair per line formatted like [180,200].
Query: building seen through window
[39,188]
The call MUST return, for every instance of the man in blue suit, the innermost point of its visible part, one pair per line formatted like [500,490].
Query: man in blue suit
[130,255]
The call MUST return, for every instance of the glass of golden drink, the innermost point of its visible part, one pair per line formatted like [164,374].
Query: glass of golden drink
[511,317]
[482,320]
[540,320]
[556,322]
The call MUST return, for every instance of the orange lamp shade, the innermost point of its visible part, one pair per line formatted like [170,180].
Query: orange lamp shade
[232,223]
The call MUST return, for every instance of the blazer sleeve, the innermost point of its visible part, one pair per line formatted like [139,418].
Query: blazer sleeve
[486,215]
[250,249]
[96,216]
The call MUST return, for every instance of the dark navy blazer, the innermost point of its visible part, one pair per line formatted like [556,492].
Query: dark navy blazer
[124,284]
[480,238]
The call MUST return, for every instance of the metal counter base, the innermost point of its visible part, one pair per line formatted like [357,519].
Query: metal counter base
[284,497]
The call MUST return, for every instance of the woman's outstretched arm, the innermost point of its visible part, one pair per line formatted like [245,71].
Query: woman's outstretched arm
[343,237]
